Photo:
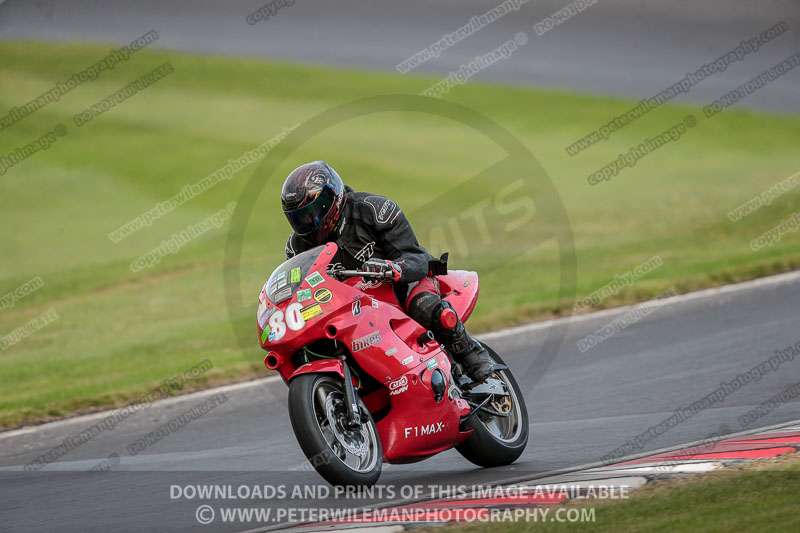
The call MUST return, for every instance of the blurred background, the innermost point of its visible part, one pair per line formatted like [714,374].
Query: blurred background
[142,158]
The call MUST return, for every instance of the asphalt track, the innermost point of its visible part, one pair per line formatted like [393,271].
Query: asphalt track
[634,48]
[585,406]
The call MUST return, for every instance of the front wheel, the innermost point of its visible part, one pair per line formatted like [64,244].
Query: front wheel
[499,439]
[342,455]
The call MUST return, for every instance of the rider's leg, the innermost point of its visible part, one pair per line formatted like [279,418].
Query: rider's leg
[432,312]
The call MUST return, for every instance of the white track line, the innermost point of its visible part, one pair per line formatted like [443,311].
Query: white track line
[159,403]
[516,330]
[595,470]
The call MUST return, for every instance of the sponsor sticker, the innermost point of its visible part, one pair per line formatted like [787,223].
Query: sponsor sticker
[265,334]
[398,386]
[366,285]
[407,360]
[314,279]
[366,341]
[295,275]
[421,431]
[262,313]
[375,303]
[264,318]
[392,351]
[357,308]
[432,363]
[280,281]
[311,311]
[323,296]
[282,294]
[303,295]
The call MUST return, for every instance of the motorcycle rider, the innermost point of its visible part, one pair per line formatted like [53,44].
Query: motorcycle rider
[374,235]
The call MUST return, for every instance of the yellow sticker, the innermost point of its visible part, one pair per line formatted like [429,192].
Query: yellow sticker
[323,296]
[311,311]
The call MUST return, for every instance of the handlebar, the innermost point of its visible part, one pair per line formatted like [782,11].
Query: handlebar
[355,273]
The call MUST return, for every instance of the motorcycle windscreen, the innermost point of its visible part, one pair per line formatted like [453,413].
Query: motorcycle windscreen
[286,279]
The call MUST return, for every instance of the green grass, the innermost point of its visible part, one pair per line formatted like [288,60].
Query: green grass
[121,333]
[760,497]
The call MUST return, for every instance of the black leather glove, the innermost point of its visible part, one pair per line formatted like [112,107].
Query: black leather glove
[389,270]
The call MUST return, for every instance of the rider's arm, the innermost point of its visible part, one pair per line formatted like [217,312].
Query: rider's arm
[397,238]
[294,246]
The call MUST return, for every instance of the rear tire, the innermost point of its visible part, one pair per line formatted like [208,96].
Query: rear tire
[325,446]
[483,447]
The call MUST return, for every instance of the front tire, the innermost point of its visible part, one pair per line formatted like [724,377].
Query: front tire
[341,455]
[497,441]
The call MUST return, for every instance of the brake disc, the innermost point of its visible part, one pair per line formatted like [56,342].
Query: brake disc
[502,404]
[357,447]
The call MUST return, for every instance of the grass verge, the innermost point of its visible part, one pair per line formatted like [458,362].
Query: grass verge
[120,333]
[761,496]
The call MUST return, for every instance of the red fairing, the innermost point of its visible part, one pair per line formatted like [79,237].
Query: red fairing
[369,322]
[461,289]
[329,366]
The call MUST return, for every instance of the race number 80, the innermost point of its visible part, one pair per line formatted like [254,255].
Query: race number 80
[293,319]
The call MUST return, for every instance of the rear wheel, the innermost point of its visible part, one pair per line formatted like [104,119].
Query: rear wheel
[342,455]
[497,439]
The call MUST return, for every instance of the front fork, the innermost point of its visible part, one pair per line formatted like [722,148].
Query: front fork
[353,415]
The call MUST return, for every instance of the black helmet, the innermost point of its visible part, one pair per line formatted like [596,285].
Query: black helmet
[313,200]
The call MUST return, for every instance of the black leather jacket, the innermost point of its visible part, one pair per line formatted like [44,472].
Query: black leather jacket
[372,226]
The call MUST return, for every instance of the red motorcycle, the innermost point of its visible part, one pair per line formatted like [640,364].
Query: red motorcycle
[368,384]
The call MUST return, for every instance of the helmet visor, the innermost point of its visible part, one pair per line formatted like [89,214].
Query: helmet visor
[306,219]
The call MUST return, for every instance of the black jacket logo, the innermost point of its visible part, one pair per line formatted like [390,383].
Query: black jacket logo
[366,252]
[383,208]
